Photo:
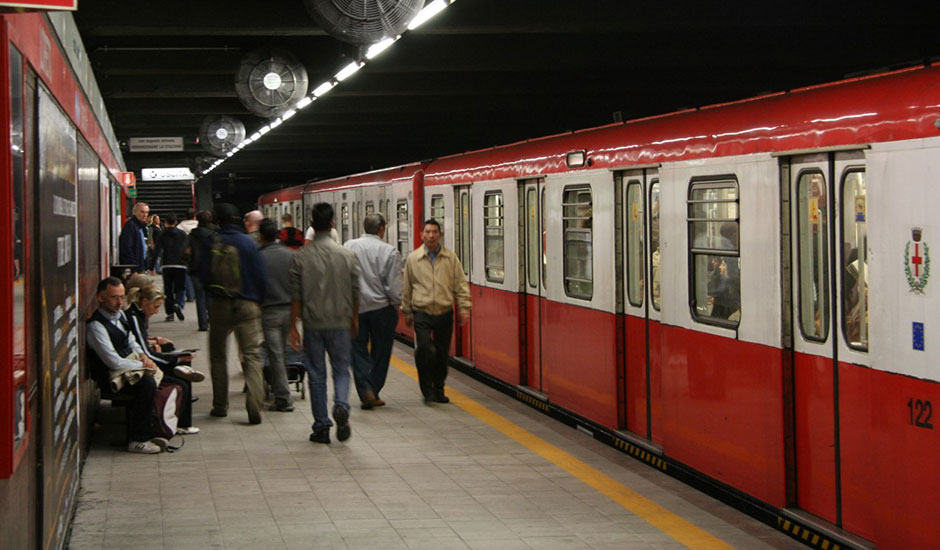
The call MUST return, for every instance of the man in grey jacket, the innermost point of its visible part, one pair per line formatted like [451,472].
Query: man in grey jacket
[380,297]
[275,312]
[324,282]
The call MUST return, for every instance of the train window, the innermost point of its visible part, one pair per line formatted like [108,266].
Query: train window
[494,258]
[532,237]
[577,217]
[813,251]
[345,222]
[544,242]
[355,220]
[370,208]
[401,210]
[437,210]
[17,151]
[714,251]
[854,259]
[655,297]
[635,250]
[463,234]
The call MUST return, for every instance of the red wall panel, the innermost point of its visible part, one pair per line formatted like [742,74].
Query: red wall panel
[723,410]
[495,317]
[636,374]
[814,435]
[579,360]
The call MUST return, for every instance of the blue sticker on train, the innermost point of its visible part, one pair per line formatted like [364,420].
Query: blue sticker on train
[919,336]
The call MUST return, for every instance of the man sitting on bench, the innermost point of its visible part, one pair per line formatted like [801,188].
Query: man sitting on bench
[120,366]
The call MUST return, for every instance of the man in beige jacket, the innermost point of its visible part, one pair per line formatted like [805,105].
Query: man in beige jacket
[433,282]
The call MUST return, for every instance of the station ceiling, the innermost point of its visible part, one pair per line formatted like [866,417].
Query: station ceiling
[482,73]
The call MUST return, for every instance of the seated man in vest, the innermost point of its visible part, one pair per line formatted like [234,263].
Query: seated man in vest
[119,365]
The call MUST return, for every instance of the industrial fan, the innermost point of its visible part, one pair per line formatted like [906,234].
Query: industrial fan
[269,81]
[219,134]
[363,21]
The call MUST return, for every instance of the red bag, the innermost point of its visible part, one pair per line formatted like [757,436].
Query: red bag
[166,404]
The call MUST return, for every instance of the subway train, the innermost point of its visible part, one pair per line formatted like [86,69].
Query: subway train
[712,292]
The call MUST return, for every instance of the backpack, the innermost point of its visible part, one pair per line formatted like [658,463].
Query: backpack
[225,277]
[166,404]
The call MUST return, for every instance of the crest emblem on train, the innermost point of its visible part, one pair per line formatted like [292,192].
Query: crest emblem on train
[917,262]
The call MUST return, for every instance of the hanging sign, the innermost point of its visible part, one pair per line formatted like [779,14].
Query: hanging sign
[154,144]
[43,5]
[166,174]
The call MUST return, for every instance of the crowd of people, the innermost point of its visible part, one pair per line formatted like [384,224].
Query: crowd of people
[263,281]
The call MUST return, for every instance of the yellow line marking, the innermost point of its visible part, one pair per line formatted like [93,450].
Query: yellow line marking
[673,525]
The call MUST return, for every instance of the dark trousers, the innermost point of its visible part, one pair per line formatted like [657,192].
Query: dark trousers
[141,422]
[202,304]
[370,368]
[174,284]
[432,342]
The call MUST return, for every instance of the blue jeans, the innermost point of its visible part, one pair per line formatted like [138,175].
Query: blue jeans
[337,344]
[370,368]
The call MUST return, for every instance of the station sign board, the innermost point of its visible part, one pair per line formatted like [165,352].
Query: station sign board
[42,5]
[154,144]
[166,174]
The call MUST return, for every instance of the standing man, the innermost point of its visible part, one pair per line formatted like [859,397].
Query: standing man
[252,224]
[133,240]
[186,226]
[324,282]
[200,240]
[380,296]
[275,312]
[434,281]
[292,237]
[234,310]
[171,247]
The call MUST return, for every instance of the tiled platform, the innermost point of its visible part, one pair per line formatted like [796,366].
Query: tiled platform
[412,476]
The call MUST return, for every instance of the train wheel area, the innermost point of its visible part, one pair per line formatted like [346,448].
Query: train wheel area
[485,471]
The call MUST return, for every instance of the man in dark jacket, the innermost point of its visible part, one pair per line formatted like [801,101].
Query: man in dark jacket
[199,240]
[239,313]
[275,312]
[133,240]
[171,246]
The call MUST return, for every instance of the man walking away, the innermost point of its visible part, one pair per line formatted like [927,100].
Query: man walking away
[133,240]
[433,281]
[275,312]
[380,296]
[234,274]
[324,282]
[199,241]
[186,226]
[171,247]
[292,237]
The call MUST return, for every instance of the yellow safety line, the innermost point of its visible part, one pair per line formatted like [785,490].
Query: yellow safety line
[669,523]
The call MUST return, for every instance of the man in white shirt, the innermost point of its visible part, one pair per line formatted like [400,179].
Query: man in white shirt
[380,287]
[118,360]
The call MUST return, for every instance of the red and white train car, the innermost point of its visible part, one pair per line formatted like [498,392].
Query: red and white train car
[741,291]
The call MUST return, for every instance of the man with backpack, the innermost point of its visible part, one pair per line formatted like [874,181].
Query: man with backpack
[234,276]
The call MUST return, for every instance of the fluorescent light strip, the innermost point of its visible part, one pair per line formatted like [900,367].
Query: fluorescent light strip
[307,100]
[275,123]
[428,12]
[348,71]
[379,47]
[287,114]
[264,130]
[322,89]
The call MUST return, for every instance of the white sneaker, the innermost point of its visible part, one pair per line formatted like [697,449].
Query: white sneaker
[187,373]
[160,443]
[143,447]
[192,430]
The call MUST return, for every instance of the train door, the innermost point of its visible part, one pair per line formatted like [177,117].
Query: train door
[461,244]
[829,329]
[533,263]
[640,296]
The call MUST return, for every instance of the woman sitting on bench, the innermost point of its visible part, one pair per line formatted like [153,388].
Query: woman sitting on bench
[144,302]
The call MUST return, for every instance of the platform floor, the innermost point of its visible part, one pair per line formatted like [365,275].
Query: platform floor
[483,472]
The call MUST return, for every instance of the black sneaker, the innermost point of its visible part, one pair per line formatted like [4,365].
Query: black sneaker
[341,416]
[320,436]
[169,318]
[441,398]
[179,313]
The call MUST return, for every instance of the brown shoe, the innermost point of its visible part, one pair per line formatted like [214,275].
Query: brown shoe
[378,403]
[368,401]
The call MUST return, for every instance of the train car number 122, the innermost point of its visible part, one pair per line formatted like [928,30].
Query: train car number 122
[921,411]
